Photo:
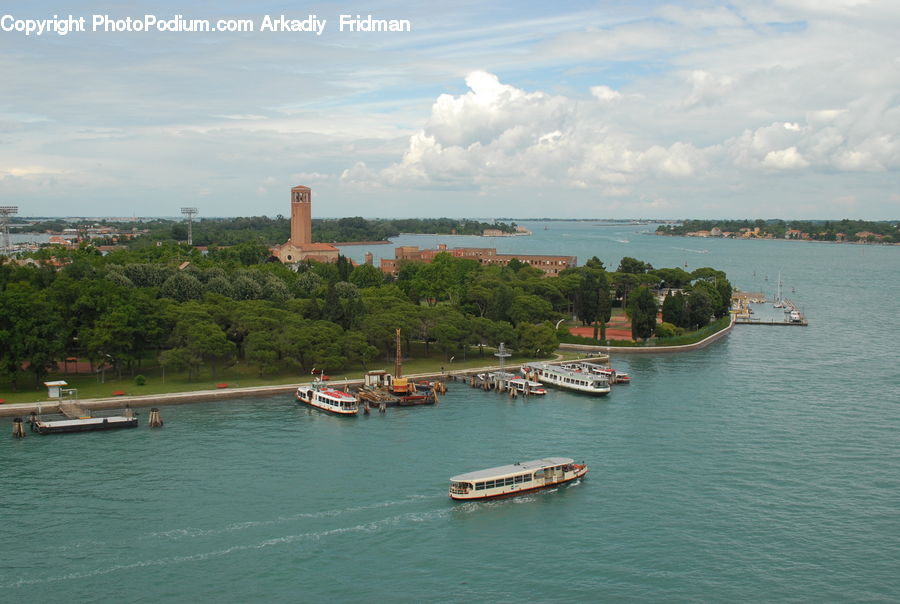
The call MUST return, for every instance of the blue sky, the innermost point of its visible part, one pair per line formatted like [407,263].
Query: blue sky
[772,108]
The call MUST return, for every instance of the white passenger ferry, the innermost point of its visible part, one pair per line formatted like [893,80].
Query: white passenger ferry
[569,379]
[613,376]
[527,387]
[328,399]
[515,479]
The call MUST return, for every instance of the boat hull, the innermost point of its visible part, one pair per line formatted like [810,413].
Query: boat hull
[94,424]
[328,409]
[582,471]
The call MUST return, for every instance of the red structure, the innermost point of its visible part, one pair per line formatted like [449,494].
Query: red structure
[550,265]
[300,246]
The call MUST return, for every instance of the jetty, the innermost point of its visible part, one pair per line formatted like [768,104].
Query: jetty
[743,314]
[79,419]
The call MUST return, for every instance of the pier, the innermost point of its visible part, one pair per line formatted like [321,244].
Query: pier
[742,314]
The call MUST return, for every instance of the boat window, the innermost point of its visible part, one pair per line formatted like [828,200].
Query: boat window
[489,484]
[479,486]
[510,480]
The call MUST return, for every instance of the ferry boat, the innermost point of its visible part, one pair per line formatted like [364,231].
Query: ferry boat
[526,387]
[611,375]
[568,379]
[515,479]
[328,399]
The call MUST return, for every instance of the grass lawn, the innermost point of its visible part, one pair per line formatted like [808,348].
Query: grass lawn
[239,375]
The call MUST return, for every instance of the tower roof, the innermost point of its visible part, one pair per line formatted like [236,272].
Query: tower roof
[300,188]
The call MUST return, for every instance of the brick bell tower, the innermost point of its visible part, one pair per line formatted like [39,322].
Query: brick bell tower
[301,215]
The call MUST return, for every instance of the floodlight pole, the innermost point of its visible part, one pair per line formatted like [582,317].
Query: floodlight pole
[190,213]
[5,213]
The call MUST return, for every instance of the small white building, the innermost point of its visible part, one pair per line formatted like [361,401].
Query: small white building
[53,388]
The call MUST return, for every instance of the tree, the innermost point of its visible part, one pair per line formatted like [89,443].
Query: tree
[528,308]
[182,287]
[366,275]
[356,348]
[536,340]
[699,308]
[604,305]
[642,310]
[633,266]
[587,300]
[30,332]
[674,311]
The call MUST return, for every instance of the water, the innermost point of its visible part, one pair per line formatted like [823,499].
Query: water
[764,468]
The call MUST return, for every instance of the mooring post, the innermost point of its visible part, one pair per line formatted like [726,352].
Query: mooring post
[155,421]
[18,428]
[129,413]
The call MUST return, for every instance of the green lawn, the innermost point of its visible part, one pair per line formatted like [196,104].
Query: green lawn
[239,375]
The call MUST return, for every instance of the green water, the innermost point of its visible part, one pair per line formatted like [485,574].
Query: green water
[762,468]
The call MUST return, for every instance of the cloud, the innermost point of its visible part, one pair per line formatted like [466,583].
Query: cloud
[497,134]
[785,159]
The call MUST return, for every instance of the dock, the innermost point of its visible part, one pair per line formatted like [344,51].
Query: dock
[742,315]
[79,419]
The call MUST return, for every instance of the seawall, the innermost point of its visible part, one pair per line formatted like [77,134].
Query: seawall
[652,349]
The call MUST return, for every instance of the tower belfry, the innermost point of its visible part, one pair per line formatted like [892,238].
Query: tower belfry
[301,215]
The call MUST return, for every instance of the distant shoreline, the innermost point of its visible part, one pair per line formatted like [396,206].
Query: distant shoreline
[661,234]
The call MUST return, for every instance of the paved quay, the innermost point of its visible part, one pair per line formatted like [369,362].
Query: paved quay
[196,396]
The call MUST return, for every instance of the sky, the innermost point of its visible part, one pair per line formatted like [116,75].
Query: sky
[484,109]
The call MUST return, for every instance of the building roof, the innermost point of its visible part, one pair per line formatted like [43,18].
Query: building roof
[314,247]
[516,468]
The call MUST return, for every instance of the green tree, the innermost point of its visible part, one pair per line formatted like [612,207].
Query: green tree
[642,309]
[366,275]
[699,308]
[536,340]
[182,287]
[674,311]
[633,266]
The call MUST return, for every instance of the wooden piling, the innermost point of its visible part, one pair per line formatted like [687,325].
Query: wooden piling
[18,428]
[155,421]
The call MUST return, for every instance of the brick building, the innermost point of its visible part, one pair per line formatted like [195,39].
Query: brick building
[300,246]
[550,265]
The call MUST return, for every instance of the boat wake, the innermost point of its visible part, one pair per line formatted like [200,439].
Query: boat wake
[687,249]
[311,536]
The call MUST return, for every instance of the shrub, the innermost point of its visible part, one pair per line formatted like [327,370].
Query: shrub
[666,330]
[140,380]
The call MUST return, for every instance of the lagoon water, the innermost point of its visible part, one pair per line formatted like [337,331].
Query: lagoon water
[765,467]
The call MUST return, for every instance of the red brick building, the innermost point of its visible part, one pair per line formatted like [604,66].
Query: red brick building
[300,246]
[550,265]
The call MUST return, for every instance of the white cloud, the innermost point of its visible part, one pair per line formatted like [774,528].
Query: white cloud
[785,159]
[605,93]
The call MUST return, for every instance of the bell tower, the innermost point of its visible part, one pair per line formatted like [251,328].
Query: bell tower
[301,215]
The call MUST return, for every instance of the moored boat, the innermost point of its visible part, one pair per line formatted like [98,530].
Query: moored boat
[526,387]
[577,380]
[515,479]
[327,399]
[612,376]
